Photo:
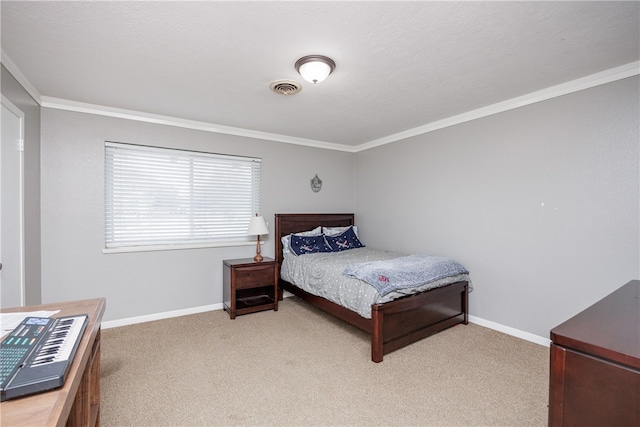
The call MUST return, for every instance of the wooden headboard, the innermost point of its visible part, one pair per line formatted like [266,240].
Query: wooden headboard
[295,223]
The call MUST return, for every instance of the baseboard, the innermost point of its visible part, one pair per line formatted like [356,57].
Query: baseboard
[194,310]
[167,315]
[159,316]
[510,331]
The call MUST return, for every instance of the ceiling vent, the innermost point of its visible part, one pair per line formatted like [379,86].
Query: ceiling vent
[285,87]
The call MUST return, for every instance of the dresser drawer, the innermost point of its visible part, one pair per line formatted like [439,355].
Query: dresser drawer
[254,277]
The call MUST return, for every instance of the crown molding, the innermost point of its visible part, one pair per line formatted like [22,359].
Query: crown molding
[587,82]
[21,78]
[607,76]
[81,107]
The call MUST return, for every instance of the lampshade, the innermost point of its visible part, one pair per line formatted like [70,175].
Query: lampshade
[257,226]
[315,68]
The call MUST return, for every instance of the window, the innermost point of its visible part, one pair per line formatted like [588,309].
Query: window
[165,197]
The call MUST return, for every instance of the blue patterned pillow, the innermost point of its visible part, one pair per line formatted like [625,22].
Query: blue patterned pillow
[344,241]
[286,240]
[301,245]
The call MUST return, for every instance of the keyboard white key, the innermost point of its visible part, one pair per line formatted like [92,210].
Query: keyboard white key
[61,341]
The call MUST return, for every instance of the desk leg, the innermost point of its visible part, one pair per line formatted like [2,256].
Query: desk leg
[95,384]
[86,406]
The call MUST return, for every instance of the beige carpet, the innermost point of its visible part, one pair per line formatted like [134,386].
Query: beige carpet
[301,367]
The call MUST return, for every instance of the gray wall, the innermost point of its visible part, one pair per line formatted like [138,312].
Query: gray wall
[136,284]
[21,99]
[540,203]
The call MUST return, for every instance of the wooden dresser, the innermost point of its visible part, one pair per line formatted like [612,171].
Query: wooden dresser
[595,364]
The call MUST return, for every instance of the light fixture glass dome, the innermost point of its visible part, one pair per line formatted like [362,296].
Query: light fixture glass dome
[315,68]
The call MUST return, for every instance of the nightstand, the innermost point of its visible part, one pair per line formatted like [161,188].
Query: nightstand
[249,286]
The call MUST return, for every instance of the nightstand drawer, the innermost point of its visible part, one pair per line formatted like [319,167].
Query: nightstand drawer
[254,277]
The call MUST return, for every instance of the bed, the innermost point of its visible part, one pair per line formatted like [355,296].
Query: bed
[393,324]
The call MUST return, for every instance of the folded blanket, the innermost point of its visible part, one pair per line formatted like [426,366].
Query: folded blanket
[404,272]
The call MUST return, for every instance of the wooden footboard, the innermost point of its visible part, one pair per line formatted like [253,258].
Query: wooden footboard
[398,323]
[393,324]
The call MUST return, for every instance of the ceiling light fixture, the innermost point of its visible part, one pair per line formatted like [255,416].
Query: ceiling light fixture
[315,68]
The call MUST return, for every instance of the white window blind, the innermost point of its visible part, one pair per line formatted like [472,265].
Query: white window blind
[158,196]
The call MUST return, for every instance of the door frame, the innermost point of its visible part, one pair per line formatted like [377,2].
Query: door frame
[21,117]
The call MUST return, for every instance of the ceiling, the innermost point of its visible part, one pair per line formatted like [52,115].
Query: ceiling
[400,65]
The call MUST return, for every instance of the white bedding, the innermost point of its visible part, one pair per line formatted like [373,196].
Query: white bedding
[321,274]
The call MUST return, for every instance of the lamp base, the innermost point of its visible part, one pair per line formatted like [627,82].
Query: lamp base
[258,257]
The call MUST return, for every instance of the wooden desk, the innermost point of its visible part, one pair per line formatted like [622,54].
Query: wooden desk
[77,402]
[595,364]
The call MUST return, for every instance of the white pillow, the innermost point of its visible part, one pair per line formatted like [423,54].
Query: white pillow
[335,231]
[286,240]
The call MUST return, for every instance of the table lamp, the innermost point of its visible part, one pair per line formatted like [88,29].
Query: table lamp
[257,227]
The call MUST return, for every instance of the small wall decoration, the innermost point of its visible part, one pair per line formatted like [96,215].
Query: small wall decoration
[316,184]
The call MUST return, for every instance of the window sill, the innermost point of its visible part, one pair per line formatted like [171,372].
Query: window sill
[153,248]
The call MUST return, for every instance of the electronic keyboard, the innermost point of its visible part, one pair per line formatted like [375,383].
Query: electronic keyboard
[37,354]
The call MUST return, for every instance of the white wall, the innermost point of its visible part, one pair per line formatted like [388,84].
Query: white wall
[139,284]
[540,203]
